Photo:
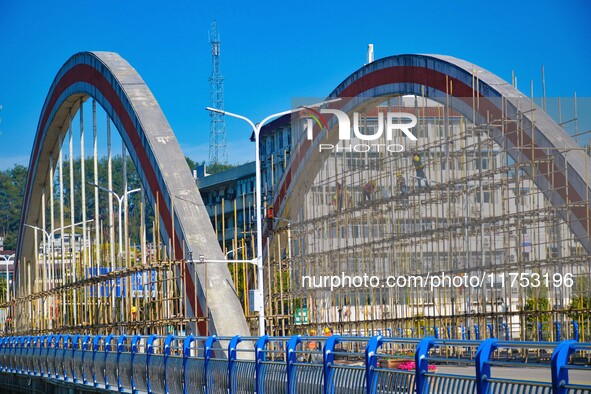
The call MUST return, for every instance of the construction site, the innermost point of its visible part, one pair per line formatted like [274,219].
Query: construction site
[465,230]
[453,203]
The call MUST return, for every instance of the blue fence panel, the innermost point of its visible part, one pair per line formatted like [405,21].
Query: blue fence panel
[68,357]
[124,366]
[54,361]
[241,366]
[193,365]
[87,359]
[173,365]
[139,364]
[216,369]
[98,360]
[79,351]
[438,383]
[155,365]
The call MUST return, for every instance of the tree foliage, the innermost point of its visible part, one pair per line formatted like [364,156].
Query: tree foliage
[12,187]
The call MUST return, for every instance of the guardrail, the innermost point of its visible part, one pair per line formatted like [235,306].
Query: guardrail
[298,364]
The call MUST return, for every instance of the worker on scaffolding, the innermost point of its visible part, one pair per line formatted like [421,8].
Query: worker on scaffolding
[368,190]
[401,183]
[341,197]
[417,161]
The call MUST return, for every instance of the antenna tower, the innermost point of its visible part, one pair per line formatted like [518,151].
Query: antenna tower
[217,131]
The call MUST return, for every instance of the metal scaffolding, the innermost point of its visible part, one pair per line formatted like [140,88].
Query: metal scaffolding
[453,203]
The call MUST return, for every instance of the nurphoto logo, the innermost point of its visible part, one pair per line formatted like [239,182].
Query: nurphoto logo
[393,123]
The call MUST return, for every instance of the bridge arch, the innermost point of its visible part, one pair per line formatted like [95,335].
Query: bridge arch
[480,96]
[164,175]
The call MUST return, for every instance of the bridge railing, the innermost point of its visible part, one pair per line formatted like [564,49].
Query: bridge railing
[298,364]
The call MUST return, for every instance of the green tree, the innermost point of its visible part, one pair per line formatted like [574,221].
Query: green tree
[12,188]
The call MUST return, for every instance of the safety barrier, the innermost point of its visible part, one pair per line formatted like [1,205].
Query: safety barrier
[298,364]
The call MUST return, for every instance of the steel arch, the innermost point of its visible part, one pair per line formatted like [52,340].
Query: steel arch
[563,180]
[119,89]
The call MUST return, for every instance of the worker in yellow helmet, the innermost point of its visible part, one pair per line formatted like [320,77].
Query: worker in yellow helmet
[417,161]
[327,331]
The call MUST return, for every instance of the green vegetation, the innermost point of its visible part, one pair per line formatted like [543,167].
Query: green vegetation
[12,186]
[216,168]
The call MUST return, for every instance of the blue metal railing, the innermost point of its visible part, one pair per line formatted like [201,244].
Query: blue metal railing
[298,364]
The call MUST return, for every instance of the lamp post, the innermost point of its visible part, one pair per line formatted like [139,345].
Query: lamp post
[7,260]
[120,200]
[256,128]
[50,241]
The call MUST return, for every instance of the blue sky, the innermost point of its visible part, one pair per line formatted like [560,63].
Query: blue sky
[273,51]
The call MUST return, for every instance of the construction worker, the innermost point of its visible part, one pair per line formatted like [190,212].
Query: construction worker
[401,183]
[342,198]
[417,161]
[327,331]
[368,189]
[337,199]
[312,346]
[133,312]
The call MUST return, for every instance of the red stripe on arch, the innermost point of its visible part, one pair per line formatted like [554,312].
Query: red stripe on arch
[439,81]
[87,74]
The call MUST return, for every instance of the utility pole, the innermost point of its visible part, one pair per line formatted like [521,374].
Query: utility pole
[217,132]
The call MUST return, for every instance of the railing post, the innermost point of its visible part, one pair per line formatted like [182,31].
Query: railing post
[67,339]
[436,332]
[3,342]
[476,332]
[422,364]
[259,366]
[449,332]
[56,346]
[75,346]
[575,330]
[483,354]
[95,344]
[134,348]
[149,352]
[108,348]
[232,353]
[186,354]
[208,353]
[371,363]
[85,344]
[290,360]
[558,364]
[328,361]
[558,336]
[120,345]
[167,344]
[491,333]
[507,334]
[540,336]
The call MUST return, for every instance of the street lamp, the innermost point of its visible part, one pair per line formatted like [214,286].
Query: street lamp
[233,250]
[119,204]
[256,128]
[50,241]
[7,260]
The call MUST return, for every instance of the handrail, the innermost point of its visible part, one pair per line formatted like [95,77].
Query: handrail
[22,355]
